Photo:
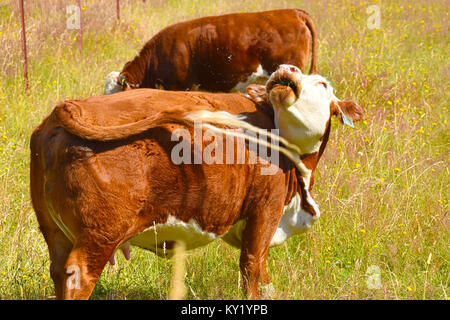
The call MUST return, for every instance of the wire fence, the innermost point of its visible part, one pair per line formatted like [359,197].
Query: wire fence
[74,21]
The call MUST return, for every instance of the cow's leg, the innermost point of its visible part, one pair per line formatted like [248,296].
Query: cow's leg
[59,248]
[255,245]
[85,265]
[265,282]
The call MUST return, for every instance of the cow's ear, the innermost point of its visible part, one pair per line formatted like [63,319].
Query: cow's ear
[350,109]
[257,93]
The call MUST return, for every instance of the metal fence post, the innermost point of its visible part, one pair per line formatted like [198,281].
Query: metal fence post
[118,11]
[24,45]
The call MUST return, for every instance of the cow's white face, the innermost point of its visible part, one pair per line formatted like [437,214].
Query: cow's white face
[301,105]
[112,84]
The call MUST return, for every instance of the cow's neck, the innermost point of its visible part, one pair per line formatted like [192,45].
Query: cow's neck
[303,128]
[300,211]
[302,180]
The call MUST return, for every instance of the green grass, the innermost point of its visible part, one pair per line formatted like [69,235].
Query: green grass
[382,188]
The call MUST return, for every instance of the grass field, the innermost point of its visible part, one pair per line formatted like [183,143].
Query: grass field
[382,187]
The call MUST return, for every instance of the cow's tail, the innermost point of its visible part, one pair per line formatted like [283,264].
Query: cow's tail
[68,115]
[310,25]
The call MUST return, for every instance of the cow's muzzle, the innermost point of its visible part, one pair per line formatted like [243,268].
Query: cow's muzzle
[284,86]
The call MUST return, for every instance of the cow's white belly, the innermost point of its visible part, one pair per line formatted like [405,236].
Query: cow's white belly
[173,229]
[293,221]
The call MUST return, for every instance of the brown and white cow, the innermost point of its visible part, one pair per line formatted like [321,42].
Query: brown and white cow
[103,175]
[220,53]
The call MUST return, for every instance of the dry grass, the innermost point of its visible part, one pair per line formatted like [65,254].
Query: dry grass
[382,188]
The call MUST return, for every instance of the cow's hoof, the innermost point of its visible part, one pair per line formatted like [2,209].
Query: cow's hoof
[267,291]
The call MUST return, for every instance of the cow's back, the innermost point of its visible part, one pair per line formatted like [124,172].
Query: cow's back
[132,106]
[215,53]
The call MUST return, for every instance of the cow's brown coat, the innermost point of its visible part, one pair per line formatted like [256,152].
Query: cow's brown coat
[106,192]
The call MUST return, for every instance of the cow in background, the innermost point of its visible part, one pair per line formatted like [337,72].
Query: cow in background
[220,53]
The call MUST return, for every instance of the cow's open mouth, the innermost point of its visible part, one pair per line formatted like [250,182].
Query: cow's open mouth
[285,78]
[284,87]
[289,84]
